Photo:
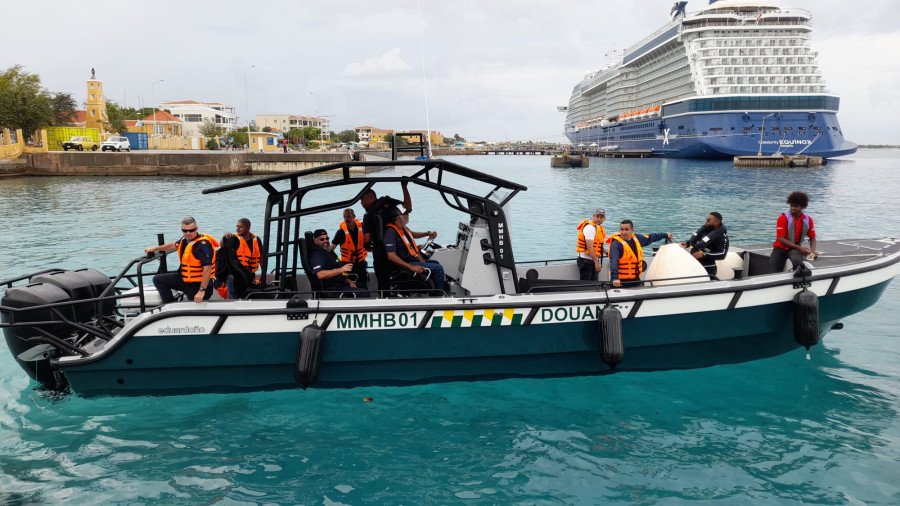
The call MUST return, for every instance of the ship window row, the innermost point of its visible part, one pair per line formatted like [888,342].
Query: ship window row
[779,79]
[726,70]
[756,60]
[740,41]
[706,54]
[767,26]
[770,88]
[789,51]
[753,103]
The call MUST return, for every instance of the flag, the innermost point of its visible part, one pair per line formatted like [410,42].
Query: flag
[757,17]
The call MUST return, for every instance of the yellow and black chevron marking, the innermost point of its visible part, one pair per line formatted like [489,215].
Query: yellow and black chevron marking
[478,318]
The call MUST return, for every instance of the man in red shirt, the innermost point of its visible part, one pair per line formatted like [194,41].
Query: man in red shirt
[792,227]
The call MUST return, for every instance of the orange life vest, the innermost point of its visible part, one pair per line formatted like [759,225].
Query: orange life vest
[249,257]
[599,237]
[352,249]
[631,263]
[408,240]
[191,270]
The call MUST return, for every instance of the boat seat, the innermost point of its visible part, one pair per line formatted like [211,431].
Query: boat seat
[306,245]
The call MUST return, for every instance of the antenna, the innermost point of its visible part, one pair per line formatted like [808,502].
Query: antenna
[424,81]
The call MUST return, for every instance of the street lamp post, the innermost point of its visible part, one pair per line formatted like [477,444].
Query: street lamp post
[247,105]
[321,133]
[152,99]
[761,132]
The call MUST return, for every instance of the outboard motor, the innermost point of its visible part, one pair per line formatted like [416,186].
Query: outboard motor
[75,286]
[34,356]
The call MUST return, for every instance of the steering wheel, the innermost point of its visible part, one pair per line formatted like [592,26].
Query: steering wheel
[428,248]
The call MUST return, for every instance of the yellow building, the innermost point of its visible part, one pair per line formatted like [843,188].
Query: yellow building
[264,142]
[157,123]
[95,116]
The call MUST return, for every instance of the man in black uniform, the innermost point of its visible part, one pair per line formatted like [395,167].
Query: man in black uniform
[373,236]
[709,243]
[331,272]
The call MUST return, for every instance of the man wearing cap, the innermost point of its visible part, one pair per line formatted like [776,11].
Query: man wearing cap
[709,243]
[326,267]
[373,229]
[402,250]
[591,236]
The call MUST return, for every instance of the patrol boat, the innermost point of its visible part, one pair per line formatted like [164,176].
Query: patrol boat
[499,318]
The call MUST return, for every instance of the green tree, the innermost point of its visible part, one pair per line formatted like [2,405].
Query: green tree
[25,104]
[116,117]
[345,136]
[311,133]
[63,107]
[209,128]
[295,135]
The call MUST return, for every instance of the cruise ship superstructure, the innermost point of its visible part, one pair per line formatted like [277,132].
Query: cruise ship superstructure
[736,78]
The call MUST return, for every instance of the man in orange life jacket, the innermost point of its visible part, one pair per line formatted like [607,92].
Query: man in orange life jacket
[591,236]
[249,253]
[198,259]
[626,254]
[791,228]
[349,238]
[402,250]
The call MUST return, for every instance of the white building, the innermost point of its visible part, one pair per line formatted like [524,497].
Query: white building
[192,113]
[286,122]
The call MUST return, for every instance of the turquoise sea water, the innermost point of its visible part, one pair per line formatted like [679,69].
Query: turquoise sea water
[787,430]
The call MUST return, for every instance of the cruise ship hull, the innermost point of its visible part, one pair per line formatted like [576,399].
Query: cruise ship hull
[722,136]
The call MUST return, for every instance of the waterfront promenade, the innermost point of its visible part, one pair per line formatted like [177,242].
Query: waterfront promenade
[156,163]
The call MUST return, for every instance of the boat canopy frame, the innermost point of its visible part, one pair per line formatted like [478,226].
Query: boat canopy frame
[284,208]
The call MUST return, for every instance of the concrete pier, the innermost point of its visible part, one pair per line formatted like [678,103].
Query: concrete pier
[151,163]
[779,161]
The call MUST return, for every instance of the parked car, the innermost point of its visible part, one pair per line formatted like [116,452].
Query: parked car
[116,144]
[80,143]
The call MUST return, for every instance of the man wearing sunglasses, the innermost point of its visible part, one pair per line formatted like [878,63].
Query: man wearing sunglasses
[331,273]
[197,254]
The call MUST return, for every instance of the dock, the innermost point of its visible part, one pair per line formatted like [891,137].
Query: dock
[779,161]
[569,161]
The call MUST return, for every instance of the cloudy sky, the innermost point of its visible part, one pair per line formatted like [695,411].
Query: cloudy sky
[494,69]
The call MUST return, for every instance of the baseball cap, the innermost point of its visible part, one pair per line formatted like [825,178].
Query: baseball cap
[402,209]
[320,232]
[601,211]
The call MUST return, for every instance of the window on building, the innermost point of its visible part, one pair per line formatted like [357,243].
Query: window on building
[193,118]
[159,129]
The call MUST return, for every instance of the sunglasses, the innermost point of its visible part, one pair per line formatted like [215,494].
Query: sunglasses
[322,238]
[188,230]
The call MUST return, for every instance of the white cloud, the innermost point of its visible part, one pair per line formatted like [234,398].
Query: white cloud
[390,62]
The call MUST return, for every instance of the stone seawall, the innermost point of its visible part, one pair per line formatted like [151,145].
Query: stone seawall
[206,163]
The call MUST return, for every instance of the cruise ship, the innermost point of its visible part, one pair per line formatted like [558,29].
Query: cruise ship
[737,78]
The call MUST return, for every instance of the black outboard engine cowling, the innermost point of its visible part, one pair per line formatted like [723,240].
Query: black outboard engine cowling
[37,362]
[75,286]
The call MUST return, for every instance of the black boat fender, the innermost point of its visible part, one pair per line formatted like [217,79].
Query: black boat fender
[612,345]
[309,354]
[806,318]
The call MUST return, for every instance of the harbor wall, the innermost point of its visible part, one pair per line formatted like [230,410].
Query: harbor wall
[206,163]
